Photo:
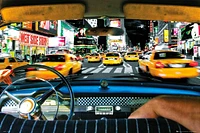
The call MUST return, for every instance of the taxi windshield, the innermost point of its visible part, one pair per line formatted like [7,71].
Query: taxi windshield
[167,55]
[111,54]
[155,49]
[131,53]
[54,58]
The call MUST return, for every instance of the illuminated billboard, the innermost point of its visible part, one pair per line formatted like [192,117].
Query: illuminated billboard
[27,25]
[49,27]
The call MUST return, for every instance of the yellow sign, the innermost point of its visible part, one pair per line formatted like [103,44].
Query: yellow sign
[166,35]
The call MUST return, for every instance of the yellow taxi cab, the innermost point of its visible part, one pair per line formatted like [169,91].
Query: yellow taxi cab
[8,62]
[94,57]
[87,56]
[102,55]
[131,56]
[167,64]
[113,58]
[66,64]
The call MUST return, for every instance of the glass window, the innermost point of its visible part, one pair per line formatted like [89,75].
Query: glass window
[132,53]
[112,54]
[167,55]
[2,60]
[54,58]
[12,60]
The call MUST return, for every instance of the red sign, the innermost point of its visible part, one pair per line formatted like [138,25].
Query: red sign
[151,26]
[61,41]
[31,39]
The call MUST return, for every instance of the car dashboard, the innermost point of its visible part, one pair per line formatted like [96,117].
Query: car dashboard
[92,101]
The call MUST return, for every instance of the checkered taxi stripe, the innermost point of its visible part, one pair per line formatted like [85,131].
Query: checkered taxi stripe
[10,124]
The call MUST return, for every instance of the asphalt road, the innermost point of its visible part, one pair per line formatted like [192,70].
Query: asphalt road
[99,71]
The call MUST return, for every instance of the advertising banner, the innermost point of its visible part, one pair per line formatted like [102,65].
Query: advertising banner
[49,27]
[195,50]
[30,39]
[166,35]
[56,41]
[115,23]
[27,25]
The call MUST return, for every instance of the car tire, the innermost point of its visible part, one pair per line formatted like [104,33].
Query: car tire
[70,72]
[184,80]
[140,70]
[8,67]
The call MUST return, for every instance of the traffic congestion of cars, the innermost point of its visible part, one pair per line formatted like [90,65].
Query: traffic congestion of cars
[165,64]
[101,80]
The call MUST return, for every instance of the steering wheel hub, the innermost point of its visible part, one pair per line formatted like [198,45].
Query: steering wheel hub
[27,105]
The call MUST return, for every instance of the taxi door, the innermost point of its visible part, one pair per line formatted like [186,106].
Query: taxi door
[76,64]
[13,62]
[145,61]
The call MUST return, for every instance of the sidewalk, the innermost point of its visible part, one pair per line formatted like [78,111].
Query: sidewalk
[190,57]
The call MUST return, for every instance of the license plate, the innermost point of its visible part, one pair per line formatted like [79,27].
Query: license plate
[111,58]
[177,65]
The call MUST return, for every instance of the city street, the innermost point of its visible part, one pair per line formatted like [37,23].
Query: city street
[99,71]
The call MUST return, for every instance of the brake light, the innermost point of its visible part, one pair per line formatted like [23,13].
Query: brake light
[159,65]
[31,69]
[59,67]
[193,64]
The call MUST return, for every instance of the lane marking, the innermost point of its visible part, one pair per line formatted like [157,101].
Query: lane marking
[124,65]
[128,70]
[89,69]
[128,65]
[137,69]
[107,70]
[101,65]
[84,68]
[118,70]
[97,70]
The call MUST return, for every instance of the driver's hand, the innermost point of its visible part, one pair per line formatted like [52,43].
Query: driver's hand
[5,76]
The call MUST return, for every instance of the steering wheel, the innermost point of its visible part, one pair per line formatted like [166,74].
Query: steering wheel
[33,105]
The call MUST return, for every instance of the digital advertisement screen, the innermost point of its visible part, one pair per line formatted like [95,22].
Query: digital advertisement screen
[47,26]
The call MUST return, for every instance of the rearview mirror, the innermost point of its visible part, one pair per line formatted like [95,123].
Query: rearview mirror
[105,31]
[43,12]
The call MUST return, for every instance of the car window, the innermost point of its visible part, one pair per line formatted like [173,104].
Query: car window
[54,58]
[132,53]
[12,60]
[112,54]
[167,55]
[94,54]
[2,60]
[19,60]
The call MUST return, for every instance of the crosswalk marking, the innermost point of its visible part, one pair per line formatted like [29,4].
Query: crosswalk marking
[124,65]
[118,70]
[101,65]
[89,69]
[110,69]
[107,70]
[128,70]
[97,70]
[136,69]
